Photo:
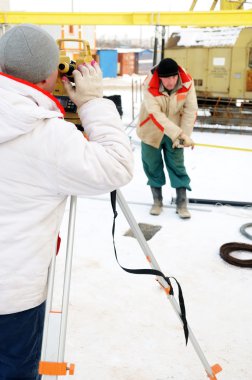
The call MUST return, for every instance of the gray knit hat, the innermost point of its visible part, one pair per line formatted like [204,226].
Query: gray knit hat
[28,52]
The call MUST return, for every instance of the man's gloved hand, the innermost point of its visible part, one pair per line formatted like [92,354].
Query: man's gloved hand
[88,84]
[183,141]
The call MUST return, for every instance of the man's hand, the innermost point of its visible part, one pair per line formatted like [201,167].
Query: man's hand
[88,84]
[183,141]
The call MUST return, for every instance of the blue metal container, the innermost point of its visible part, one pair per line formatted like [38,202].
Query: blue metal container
[108,62]
[144,61]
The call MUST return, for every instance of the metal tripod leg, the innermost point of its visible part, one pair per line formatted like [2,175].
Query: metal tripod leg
[52,362]
[211,371]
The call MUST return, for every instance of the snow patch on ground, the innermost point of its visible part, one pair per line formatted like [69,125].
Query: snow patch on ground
[122,326]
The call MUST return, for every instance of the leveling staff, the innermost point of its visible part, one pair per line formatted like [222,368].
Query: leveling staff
[43,160]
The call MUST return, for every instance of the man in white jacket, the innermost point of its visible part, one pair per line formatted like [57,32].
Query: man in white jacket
[44,159]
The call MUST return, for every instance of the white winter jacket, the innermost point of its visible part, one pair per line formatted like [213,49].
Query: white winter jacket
[43,160]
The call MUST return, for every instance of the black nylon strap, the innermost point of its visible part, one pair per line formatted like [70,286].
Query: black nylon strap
[153,272]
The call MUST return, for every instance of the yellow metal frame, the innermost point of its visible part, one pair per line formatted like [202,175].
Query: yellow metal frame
[227,4]
[193,5]
[224,4]
[214,5]
[190,18]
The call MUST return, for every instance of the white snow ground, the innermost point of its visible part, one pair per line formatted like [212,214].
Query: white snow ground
[122,326]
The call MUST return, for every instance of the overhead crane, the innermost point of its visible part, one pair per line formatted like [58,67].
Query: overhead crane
[235,17]
[231,14]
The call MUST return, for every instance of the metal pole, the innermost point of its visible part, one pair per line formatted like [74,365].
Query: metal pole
[141,90]
[132,98]
[163,42]
[54,337]
[136,92]
[146,249]
[219,202]
[67,277]
[51,275]
[155,46]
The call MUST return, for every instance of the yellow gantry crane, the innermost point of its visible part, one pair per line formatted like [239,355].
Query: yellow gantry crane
[236,17]
[231,13]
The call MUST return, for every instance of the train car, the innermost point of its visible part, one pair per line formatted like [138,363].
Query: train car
[220,62]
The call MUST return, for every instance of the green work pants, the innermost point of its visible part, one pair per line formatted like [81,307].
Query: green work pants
[153,164]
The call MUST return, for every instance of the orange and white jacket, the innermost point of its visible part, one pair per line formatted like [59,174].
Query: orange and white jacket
[162,113]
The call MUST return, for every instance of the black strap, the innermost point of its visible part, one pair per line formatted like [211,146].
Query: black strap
[153,272]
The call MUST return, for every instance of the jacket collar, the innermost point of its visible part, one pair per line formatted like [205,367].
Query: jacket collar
[24,107]
[55,104]
[155,82]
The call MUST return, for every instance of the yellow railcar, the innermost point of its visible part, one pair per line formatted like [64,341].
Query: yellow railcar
[220,61]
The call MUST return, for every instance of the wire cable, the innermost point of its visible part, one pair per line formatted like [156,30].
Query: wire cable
[244,232]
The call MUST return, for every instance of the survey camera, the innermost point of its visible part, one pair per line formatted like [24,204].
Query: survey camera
[66,68]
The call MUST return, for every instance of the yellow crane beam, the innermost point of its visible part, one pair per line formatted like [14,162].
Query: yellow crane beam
[202,19]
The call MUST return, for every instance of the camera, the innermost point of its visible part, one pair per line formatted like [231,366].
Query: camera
[66,68]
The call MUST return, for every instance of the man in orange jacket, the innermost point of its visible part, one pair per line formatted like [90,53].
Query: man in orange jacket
[166,121]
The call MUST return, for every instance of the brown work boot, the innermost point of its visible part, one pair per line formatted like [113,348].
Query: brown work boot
[181,202]
[157,206]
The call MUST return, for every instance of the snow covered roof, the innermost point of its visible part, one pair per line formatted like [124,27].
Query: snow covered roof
[132,50]
[207,37]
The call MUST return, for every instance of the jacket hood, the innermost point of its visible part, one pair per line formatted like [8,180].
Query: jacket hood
[24,107]
[154,81]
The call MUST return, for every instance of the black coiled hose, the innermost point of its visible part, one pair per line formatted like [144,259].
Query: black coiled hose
[228,248]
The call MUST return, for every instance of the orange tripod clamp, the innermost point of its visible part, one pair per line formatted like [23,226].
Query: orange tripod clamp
[56,369]
[216,368]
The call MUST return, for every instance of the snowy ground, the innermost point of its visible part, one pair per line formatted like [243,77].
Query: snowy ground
[122,326]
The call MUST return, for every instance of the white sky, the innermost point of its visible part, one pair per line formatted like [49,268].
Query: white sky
[107,5]
[110,6]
